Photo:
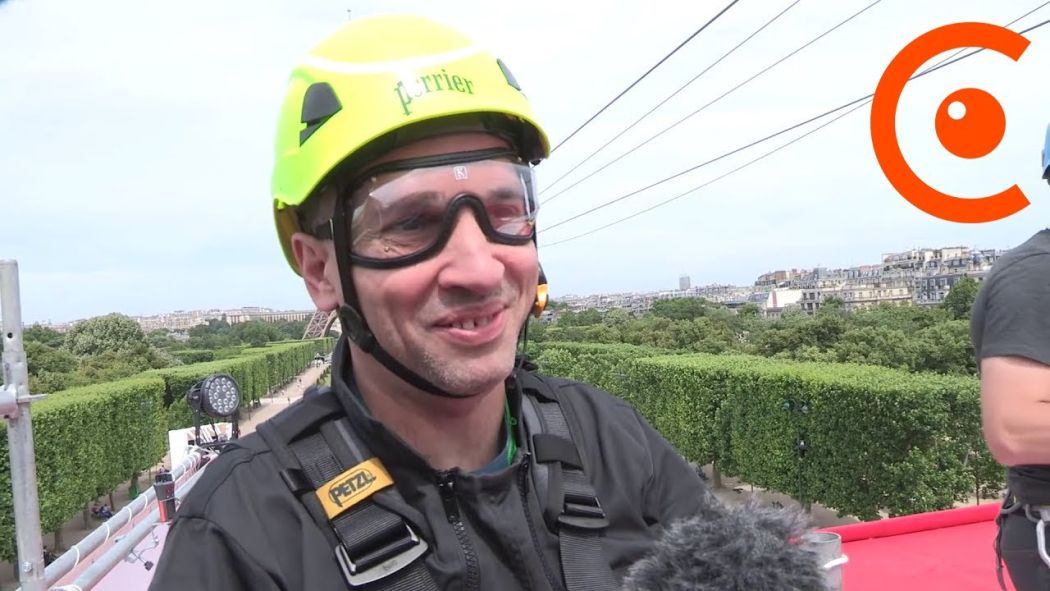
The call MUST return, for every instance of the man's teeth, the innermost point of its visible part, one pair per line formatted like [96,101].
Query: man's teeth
[473,323]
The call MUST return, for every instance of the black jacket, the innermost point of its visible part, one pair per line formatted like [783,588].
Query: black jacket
[241,528]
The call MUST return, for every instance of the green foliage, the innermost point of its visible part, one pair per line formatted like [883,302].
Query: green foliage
[161,339]
[113,333]
[43,358]
[899,337]
[591,363]
[102,349]
[194,355]
[680,308]
[960,298]
[219,334]
[88,440]
[43,335]
[876,439]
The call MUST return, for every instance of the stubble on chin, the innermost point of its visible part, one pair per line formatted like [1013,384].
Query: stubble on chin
[469,378]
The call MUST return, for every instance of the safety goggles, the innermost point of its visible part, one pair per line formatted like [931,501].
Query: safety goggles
[403,212]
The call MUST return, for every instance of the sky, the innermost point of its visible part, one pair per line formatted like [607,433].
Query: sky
[136,140]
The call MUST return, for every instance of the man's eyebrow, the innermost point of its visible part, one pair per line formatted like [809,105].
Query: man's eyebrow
[504,193]
[425,194]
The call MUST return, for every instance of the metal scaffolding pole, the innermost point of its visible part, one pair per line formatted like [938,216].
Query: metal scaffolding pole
[14,406]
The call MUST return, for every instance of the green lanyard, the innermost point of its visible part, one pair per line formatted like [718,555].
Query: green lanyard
[511,422]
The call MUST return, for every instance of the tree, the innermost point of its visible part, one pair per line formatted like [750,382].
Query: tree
[714,335]
[617,317]
[832,305]
[291,329]
[50,369]
[960,298]
[161,339]
[680,308]
[40,359]
[257,333]
[588,317]
[946,348]
[876,345]
[538,330]
[113,333]
[602,333]
[907,318]
[749,310]
[43,335]
[110,365]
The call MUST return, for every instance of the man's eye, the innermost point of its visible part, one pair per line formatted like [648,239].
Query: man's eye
[412,223]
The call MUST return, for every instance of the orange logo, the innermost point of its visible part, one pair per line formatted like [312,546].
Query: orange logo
[974,135]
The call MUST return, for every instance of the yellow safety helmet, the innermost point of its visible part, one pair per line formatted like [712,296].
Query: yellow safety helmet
[357,93]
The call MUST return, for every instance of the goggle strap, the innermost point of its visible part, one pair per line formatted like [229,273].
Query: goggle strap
[435,161]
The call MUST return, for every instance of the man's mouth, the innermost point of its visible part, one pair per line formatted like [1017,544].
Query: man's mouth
[472,322]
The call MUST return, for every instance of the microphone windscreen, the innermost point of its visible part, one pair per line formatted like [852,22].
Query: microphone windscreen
[740,547]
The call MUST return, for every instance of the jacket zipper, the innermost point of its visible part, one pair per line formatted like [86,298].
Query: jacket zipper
[523,487]
[447,487]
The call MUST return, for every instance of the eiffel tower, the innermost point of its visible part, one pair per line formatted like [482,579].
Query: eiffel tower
[321,323]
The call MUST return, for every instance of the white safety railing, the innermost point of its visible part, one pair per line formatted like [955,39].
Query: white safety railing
[190,467]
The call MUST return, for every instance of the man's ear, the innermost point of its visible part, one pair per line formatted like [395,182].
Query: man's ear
[317,265]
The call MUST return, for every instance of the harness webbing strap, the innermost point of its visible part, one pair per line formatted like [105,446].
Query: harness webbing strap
[1038,514]
[375,547]
[578,513]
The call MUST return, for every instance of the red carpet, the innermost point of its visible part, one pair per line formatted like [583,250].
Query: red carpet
[938,551]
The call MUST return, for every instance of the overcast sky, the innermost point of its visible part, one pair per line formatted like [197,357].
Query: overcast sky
[136,140]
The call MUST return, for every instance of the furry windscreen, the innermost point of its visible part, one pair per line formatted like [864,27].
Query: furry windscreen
[746,547]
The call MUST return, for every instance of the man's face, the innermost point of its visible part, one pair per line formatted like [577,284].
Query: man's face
[454,317]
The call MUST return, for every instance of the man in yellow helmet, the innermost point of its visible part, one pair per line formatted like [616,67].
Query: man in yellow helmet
[404,196]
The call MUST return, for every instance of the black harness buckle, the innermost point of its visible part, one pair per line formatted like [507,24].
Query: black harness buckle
[374,564]
[583,511]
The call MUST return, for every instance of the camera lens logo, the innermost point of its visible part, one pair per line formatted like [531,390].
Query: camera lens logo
[974,135]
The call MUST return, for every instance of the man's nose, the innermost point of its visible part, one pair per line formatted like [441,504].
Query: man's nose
[470,257]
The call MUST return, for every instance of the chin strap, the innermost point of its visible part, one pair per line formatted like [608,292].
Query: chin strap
[354,325]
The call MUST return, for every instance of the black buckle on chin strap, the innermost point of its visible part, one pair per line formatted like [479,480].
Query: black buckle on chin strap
[371,564]
[583,511]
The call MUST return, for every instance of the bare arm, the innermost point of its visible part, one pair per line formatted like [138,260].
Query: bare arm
[1015,409]
[1012,317]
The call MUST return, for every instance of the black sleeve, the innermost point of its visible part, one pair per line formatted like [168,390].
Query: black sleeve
[1017,311]
[199,555]
[675,490]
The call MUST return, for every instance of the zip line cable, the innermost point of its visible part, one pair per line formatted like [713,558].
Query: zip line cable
[863,100]
[718,178]
[720,97]
[626,90]
[937,66]
[1023,16]
[663,102]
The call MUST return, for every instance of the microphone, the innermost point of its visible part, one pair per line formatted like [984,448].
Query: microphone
[745,547]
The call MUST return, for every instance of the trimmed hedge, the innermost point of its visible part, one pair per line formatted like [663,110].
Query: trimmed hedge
[89,440]
[861,439]
[194,355]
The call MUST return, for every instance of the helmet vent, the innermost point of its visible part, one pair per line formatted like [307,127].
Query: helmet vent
[319,104]
[506,74]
